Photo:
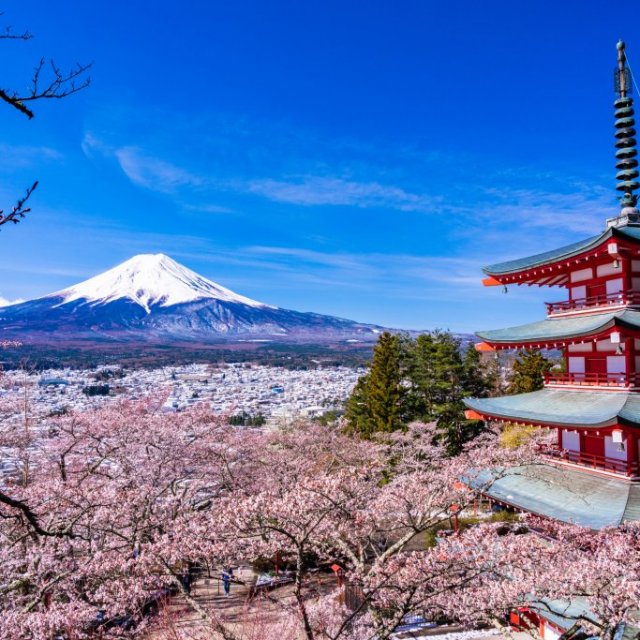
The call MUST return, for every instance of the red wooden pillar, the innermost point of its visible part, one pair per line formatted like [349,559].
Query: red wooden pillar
[628,356]
[630,353]
[632,450]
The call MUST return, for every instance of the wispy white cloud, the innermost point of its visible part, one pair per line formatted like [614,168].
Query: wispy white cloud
[21,156]
[142,168]
[373,269]
[153,173]
[206,208]
[542,208]
[327,190]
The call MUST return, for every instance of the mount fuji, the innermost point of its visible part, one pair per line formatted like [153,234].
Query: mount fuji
[151,298]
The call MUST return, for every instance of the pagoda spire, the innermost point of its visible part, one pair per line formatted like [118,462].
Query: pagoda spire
[626,163]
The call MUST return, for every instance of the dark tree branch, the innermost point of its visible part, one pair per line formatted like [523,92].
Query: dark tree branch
[19,210]
[53,84]
[8,35]
[60,85]
[32,518]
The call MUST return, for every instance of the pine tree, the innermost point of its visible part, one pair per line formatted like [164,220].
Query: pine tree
[384,387]
[424,379]
[440,378]
[377,401]
[449,391]
[421,396]
[356,412]
[528,371]
[480,373]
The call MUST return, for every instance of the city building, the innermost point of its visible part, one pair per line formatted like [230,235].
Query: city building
[592,477]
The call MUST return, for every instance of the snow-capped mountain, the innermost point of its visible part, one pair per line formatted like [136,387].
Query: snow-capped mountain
[152,298]
[150,280]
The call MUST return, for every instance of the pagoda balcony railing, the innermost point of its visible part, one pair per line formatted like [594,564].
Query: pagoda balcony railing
[590,460]
[621,380]
[604,300]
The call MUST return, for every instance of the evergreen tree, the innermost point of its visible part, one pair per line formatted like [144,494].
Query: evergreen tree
[356,411]
[424,379]
[528,371]
[376,403]
[384,386]
[440,377]
[421,396]
[481,374]
[449,389]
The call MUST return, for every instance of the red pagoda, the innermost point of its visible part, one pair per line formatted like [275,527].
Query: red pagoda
[593,474]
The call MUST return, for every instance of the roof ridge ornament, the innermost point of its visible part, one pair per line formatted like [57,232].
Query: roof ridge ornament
[626,160]
[627,164]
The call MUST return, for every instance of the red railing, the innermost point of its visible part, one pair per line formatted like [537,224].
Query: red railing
[604,300]
[593,379]
[591,460]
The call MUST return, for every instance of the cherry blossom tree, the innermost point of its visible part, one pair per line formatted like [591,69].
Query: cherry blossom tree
[100,511]
[104,510]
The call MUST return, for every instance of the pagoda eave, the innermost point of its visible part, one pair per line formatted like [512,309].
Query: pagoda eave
[566,408]
[609,425]
[565,494]
[553,268]
[559,332]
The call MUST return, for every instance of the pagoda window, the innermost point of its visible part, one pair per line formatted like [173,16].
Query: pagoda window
[614,286]
[606,345]
[616,364]
[583,274]
[570,440]
[579,293]
[608,269]
[615,450]
[580,347]
[576,364]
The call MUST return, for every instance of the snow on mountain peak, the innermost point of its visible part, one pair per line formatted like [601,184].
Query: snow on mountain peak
[151,280]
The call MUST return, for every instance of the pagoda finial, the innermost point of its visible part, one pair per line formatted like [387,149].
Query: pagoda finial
[626,164]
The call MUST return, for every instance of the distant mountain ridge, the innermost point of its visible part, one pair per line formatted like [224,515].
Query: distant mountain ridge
[153,298]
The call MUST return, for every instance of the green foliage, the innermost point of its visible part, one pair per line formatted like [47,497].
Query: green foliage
[376,402]
[424,379]
[515,435]
[356,409]
[505,516]
[328,417]
[528,371]
[384,388]
[245,419]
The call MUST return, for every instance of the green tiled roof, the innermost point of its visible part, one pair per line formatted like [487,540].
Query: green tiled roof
[563,613]
[562,328]
[567,495]
[513,266]
[563,407]
[566,613]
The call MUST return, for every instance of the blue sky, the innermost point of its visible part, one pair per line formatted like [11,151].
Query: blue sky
[356,158]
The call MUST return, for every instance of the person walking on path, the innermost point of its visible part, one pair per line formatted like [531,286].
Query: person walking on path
[227,573]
